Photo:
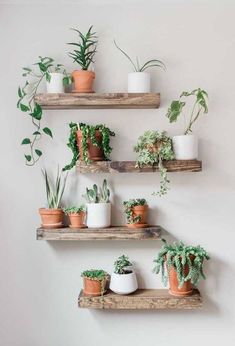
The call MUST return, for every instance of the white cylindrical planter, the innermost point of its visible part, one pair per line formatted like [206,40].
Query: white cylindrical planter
[98,215]
[123,283]
[56,83]
[139,82]
[185,147]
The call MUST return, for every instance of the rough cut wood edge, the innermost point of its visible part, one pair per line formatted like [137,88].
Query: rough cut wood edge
[129,167]
[112,233]
[142,299]
[98,100]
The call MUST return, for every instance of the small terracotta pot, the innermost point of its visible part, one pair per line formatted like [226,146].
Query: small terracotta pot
[139,210]
[51,218]
[185,290]
[83,81]
[77,220]
[94,153]
[92,287]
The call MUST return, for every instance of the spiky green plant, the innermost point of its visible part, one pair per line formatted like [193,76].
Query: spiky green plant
[128,208]
[122,264]
[74,210]
[54,189]
[98,194]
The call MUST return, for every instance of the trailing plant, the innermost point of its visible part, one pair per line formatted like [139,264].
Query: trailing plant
[88,131]
[54,189]
[141,68]
[200,106]
[153,148]
[98,275]
[179,255]
[121,265]
[128,208]
[98,194]
[74,210]
[85,48]
[34,76]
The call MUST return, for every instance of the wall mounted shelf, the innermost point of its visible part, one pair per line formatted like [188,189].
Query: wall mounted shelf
[142,299]
[98,100]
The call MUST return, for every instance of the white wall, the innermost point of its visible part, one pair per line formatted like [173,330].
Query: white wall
[40,281]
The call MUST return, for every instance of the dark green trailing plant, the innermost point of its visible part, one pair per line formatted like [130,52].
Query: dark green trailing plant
[153,148]
[141,68]
[88,131]
[98,194]
[128,208]
[54,189]
[74,210]
[179,255]
[200,106]
[85,48]
[122,265]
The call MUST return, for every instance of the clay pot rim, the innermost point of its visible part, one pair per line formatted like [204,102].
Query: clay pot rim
[140,207]
[97,133]
[83,71]
[50,211]
[81,213]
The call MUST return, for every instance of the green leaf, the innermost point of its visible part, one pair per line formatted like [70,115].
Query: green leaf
[20,92]
[42,67]
[26,141]
[28,157]
[36,133]
[47,131]
[24,108]
[37,112]
[38,152]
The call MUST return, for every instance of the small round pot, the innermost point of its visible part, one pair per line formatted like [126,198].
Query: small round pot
[94,153]
[77,220]
[51,218]
[139,210]
[56,83]
[123,283]
[139,82]
[185,147]
[185,290]
[92,287]
[98,215]
[83,81]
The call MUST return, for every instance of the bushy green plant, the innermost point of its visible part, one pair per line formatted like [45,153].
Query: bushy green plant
[74,210]
[54,189]
[179,255]
[121,265]
[153,148]
[98,194]
[199,107]
[128,208]
[95,274]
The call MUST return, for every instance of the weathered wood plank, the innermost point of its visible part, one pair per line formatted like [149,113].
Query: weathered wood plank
[130,167]
[98,100]
[142,299]
[112,233]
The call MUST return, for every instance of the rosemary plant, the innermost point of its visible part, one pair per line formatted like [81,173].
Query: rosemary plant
[54,189]
[121,265]
[128,208]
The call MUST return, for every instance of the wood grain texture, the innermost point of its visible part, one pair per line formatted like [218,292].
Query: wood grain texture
[142,299]
[129,167]
[98,101]
[111,233]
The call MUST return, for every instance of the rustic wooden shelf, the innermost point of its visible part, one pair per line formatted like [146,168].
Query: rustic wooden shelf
[111,233]
[129,167]
[98,101]
[142,299]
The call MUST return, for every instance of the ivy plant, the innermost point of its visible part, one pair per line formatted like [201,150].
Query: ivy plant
[74,210]
[128,208]
[122,265]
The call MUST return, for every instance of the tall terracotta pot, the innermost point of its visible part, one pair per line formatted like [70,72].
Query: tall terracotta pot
[94,153]
[51,218]
[185,290]
[92,287]
[139,210]
[77,220]
[83,81]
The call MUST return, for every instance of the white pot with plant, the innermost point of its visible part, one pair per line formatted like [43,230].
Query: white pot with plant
[186,146]
[123,280]
[139,80]
[98,206]
[57,78]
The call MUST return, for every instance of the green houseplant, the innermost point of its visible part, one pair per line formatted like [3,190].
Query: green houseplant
[136,212]
[76,216]
[123,280]
[153,148]
[182,265]
[94,282]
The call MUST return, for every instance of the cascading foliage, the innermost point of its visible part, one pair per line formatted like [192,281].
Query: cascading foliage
[128,208]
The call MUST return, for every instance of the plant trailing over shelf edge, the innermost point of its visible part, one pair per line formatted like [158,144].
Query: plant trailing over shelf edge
[98,195]
[74,210]
[128,208]
[98,275]
[54,189]
[122,264]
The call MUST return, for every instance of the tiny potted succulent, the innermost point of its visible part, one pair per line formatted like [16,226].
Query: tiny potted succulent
[136,212]
[98,206]
[89,143]
[76,216]
[153,148]
[182,265]
[52,216]
[139,80]
[83,55]
[123,280]
[94,282]
[186,145]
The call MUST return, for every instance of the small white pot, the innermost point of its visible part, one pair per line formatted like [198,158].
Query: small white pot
[123,283]
[185,147]
[56,83]
[139,82]
[98,215]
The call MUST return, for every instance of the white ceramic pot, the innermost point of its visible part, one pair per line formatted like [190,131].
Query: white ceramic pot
[123,283]
[56,83]
[185,147]
[139,82]
[98,215]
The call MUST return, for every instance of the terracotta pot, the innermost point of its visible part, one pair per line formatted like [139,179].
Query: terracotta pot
[92,287]
[139,210]
[185,290]
[94,153]
[51,218]
[83,81]
[77,220]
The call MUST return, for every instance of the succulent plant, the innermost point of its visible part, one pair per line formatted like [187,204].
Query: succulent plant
[98,195]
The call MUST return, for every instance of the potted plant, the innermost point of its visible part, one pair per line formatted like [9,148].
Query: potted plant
[76,216]
[153,148]
[186,145]
[123,280]
[89,143]
[98,206]
[182,265]
[94,282]
[136,212]
[52,216]
[139,80]
[57,78]
[83,54]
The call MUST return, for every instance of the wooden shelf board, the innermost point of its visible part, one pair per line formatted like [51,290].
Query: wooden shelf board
[142,299]
[98,100]
[111,233]
[129,167]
